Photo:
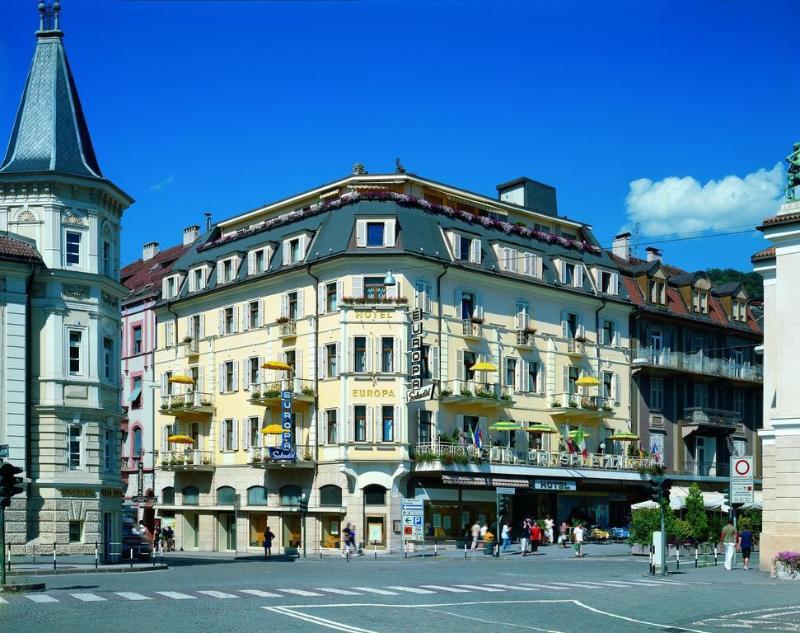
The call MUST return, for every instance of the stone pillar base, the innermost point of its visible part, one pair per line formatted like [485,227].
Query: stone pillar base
[771,544]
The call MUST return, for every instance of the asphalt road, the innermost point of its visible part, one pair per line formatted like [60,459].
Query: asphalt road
[551,592]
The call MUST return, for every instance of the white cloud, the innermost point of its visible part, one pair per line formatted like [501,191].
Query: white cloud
[161,184]
[682,205]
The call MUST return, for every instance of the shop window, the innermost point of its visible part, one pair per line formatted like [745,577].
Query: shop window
[374,495]
[257,496]
[226,496]
[168,496]
[191,496]
[258,524]
[290,495]
[330,496]
[76,531]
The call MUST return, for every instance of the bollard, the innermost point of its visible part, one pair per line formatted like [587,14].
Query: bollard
[96,561]
[375,549]
[131,556]
[435,551]
[8,558]
[652,566]
[695,557]
[54,556]
[677,557]
[465,550]
[715,556]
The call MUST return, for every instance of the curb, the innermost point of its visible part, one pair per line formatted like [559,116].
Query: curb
[22,587]
[100,570]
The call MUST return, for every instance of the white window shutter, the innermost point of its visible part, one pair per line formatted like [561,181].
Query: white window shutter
[285,304]
[200,384]
[483,423]
[397,355]
[246,433]
[251,263]
[358,286]
[368,340]
[338,359]
[348,356]
[304,243]
[475,251]
[221,377]
[164,384]
[389,233]
[579,275]
[419,295]
[235,446]
[370,418]
[261,313]
[460,361]
[286,252]
[300,311]
[221,424]
[478,306]
[581,326]
[361,233]
[187,324]
[459,425]
[322,362]
[191,281]
[520,375]
[616,341]
[616,394]
[321,291]
[564,325]
[235,376]
[221,321]
[434,361]
[565,379]
[339,292]
[614,286]
[246,318]
[298,364]
[393,292]
[455,242]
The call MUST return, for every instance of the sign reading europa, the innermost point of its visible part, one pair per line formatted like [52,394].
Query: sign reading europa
[373,393]
[417,391]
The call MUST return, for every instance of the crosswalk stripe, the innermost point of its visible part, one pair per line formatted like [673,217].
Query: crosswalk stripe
[3,601]
[259,593]
[41,598]
[380,592]
[217,594]
[130,595]
[539,586]
[88,597]
[512,587]
[481,588]
[341,592]
[579,585]
[616,583]
[301,592]
[450,589]
[176,595]
[648,583]
[410,589]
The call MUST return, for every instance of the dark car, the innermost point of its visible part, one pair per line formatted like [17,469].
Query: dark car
[134,542]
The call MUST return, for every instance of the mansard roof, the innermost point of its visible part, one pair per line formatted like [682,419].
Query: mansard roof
[143,278]
[13,248]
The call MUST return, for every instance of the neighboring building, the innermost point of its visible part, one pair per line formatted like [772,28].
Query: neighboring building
[59,315]
[305,281]
[780,267]
[143,280]
[697,379]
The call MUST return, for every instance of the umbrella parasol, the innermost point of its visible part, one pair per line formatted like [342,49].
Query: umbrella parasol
[483,366]
[180,439]
[272,429]
[624,436]
[181,379]
[276,364]
[505,425]
[541,428]
[587,381]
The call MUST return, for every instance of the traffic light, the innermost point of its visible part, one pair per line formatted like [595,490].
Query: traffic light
[665,486]
[10,484]
[656,488]
[503,506]
[303,504]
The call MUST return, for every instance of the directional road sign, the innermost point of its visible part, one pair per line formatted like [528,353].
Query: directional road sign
[412,513]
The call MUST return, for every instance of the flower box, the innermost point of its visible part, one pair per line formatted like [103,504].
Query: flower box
[787,565]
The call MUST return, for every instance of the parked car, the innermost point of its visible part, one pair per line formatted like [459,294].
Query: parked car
[134,542]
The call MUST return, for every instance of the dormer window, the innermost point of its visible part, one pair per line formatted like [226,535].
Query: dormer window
[258,260]
[658,292]
[739,310]
[197,279]
[700,301]
[571,274]
[465,248]
[375,233]
[512,260]
[227,269]
[607,282]
[294,249]
[170,286]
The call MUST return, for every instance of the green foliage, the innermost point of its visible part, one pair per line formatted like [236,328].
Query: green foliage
[715,522]
[750,518]
[644,523]
[696,514]
[751,281]
[682,532]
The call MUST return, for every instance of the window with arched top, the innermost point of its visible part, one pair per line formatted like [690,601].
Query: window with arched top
[191,496]
[256,496]
[290,495]
[330,496]
[168,495]
[226,496]
[374,495]
[136,448]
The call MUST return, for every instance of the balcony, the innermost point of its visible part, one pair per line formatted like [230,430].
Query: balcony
[287,328]
[482,394]
[269,393]
[190,346]
[258,457]
[471,330]
[696,418]
[191,402]
[706,469]
[698,363]
[576,348]
[575,405]
[439,454]
[186,459]
[525,339]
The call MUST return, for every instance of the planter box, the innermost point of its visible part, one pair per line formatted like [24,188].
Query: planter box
[784,573]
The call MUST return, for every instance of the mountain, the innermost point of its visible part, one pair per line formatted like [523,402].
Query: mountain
[751,281]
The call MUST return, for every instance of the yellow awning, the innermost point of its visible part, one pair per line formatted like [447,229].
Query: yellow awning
[541,428]
[587,381]
[180,439]
[181,379]
[276,364]
[272,429]
[483,366]
[624,437]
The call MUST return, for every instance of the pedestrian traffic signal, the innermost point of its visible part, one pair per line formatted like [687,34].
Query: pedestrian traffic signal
[10,484]
[503,506]
[656,488]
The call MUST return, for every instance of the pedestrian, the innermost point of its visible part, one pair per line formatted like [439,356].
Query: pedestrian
[577,540]
[727,541]
[536,537]
[525,536]
[476,534]
[746,545]
[563,532]
[170,539]
[268,538]
[548,529]
[347,532]
[484,530]
[505,537]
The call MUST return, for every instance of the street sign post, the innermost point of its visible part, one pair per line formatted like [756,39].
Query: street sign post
[412,519]
[741,480]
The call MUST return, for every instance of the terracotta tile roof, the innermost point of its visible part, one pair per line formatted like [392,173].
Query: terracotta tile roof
[787,218]
[767,253]
[633,290]
[17,250]
[144,277]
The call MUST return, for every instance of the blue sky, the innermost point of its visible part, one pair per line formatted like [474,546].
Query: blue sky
[224,105]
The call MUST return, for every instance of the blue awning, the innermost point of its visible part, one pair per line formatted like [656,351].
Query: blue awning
[137,391]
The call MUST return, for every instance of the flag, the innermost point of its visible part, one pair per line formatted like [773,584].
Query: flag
[477,437]
[580,441]
[655,453]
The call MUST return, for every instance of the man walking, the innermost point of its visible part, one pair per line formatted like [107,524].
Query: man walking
[727,540]
[548,529]
[524,537]
[577,540]
[476,534]
[268,538]
[505,537]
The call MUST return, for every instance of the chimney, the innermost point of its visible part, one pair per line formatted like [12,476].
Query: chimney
[653,254]
[149,251]
[530,194]
[190,234]
[208,220]
[359,169]
[622,246]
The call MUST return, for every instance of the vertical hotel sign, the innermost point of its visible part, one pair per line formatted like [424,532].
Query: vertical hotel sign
[417,391]
[286,452]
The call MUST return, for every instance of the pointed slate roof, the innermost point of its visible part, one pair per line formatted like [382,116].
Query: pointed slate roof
[50,132]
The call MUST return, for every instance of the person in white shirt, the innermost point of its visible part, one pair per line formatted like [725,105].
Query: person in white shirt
[505,536]
[548,529]
[577,540]
[476,534]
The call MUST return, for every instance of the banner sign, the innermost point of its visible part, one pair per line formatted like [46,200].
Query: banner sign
[140,478]
[282,455]
[424,393]
[417,361]
[553,485]
[286,452]
[484,481]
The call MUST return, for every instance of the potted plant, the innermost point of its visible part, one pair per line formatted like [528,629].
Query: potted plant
[556,404]
[206,460]
[573,404]
[477,320]
[787,565]
[444,393]
[282,320]
[205,403]
[189,458]
[256,458]
[506,397]
[425,457]
[308,391]
[581,339]
[529,330]
[187,339]
[307,455]
[466,392]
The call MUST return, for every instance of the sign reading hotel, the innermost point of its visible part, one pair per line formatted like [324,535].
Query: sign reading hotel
[417,391]
[553,485]
[286,452]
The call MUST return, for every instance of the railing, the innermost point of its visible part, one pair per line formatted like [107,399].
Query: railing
[186,459]
[575,347]
[582,402]
[456,454]
[301,389]
[524,338]
[471,389]
[698,363]
[190,400]
[707,469]
[288,328]
[259,455]
[190,347]
[703,416]
[472,329]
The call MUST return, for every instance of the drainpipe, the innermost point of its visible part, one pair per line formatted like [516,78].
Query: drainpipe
[29,377]
[315,355]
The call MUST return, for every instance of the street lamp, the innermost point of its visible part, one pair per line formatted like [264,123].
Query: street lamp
[389,280]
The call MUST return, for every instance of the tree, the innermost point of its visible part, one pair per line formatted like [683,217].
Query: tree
[751,281]
[696,514]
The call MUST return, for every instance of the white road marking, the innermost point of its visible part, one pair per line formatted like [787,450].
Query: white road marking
[410,589]
[511,587]
[3,601]
[301,592]
[450,589]
[615,583]
[380,592]
[41,598]
[538,586]
[217,594]
[481,588]
[313,619]
[176,595]
[259,593]
[579,585]
[130,595]
[88,597]
[341,592]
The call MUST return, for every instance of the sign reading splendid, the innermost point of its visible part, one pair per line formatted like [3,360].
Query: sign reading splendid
[286,452]
[417,391]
